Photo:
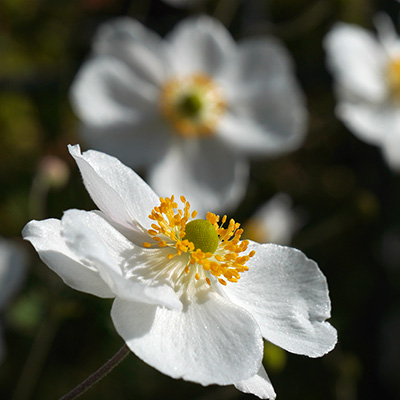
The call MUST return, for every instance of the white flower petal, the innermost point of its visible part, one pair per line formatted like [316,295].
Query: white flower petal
[386,32]
[200,45]
[253,133]
[357,61]
[274,222]
[98,244]
[372,123]
[259,385]
[210,341]
[139,48]
[287,294]
[136,145]
[261,60]
[210,176]
[267,112]
[106,92]
[12,269]
[117,190]
[46,239]
[391,150]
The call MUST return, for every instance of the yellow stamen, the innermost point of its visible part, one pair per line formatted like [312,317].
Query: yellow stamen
[225,261]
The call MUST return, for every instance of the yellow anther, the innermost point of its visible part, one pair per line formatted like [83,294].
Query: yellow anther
[147,245]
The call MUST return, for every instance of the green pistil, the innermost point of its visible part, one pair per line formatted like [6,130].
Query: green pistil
[202,234]
[190,105]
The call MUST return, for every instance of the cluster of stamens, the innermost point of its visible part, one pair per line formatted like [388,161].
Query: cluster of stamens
[226,263]
[192,104]
[169,224]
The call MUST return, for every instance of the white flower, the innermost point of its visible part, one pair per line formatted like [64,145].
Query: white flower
[274,222]
[191,298]
[12,269]
[190,107]
[366,69]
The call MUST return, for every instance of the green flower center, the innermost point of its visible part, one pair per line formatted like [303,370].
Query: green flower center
[202,234]
[190,105]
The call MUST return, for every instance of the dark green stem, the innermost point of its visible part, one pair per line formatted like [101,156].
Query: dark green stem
[98,375]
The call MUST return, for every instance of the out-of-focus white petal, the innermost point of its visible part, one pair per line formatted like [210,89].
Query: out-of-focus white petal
[287,294]
[136,145]
[105,92]
[372,123]
[249,133]
[210,341]
[12,269]
[46,239]
[391,150]
[274,222]
[200,45]
[357,61]
[386,32]
[142,50]
[116,93]
[117,190]
[101,246]
[259,385]
[267,112]
[211,176]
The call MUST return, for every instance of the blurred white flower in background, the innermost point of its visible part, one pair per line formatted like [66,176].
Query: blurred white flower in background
[274,222]
[191,298]
[366,70]
[191,107]
[12,272]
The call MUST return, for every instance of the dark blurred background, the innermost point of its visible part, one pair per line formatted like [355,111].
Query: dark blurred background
[350,200]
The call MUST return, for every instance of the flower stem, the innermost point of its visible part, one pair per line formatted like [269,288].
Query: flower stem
[98,375]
